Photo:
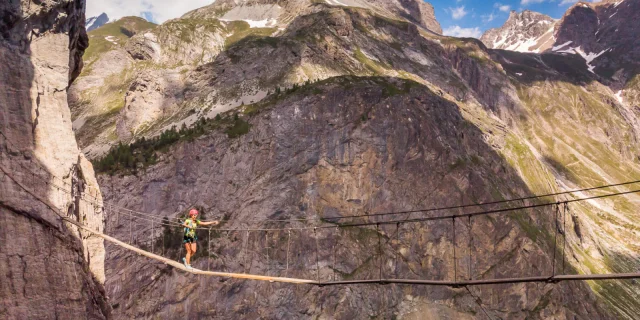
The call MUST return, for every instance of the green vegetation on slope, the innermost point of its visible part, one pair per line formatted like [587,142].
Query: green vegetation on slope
[118,32]
[188,29]
[241,29]
[129,158]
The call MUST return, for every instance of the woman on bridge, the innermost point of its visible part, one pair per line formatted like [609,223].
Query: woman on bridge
[190,237]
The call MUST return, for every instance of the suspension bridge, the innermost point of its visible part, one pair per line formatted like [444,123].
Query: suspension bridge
[309,229]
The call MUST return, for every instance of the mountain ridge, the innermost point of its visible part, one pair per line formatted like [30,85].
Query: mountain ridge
[96,22]
[587,29]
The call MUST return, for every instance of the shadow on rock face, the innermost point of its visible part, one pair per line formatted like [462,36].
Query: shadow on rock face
[45,267]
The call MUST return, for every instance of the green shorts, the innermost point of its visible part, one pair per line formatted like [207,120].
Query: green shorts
[189,239]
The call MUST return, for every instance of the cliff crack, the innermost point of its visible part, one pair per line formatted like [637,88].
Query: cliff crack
[35,121]
[24,276]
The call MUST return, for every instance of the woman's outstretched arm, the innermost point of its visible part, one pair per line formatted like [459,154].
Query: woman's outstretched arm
[210,223]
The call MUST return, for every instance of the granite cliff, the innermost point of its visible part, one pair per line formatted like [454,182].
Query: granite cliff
[49,269]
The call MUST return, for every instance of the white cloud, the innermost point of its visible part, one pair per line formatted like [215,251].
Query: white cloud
[458,13]
[457,31]
[502,7]
[563,2]
[528,2]
[488,17]
[160,10]
[566,2]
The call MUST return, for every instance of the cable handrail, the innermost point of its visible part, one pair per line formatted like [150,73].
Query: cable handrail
[456,284]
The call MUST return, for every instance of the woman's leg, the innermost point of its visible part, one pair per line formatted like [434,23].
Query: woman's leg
[187,247]
[194,248]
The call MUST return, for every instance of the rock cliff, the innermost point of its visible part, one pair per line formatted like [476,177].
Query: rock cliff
[343,110]
[49,269]
[326,152]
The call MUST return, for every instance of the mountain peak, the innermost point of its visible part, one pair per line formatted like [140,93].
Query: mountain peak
[525,31]
[96,22]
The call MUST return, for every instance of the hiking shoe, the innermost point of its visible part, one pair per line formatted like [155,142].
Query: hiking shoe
[184,261]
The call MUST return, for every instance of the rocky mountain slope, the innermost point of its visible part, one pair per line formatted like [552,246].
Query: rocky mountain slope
[607,38]
[323,152]
[109,97]
[49,269]
[527,31]
[96,22]
[401,118]
[604,34]
[280,13]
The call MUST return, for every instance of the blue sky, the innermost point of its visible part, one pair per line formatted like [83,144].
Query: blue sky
[458,17]
[470,18]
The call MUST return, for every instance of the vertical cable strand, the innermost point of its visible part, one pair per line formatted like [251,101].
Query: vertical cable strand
[455,260]
[286,273]
[397,248]
[564,228]
[315,233]
[379,249]
[555,242]
[334,253]
[470,243]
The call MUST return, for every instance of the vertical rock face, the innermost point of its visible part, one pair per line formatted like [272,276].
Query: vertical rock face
[423,13]
[606,35]
[330,154]
[48,268]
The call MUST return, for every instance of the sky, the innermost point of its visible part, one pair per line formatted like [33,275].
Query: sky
[461,18]
[471,18]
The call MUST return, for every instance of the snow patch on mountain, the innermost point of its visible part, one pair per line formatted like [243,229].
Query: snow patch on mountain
[525,32]
[335,3]
[111,39]
[266,23]
[588,57]
[619,96]
[258,16]
[556,48]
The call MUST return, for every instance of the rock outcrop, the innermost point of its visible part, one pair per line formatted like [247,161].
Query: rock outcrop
[49,269]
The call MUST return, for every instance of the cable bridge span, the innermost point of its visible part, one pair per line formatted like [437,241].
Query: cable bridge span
[333,227]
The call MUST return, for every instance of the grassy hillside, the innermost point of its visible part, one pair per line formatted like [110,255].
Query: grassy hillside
[112,35]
